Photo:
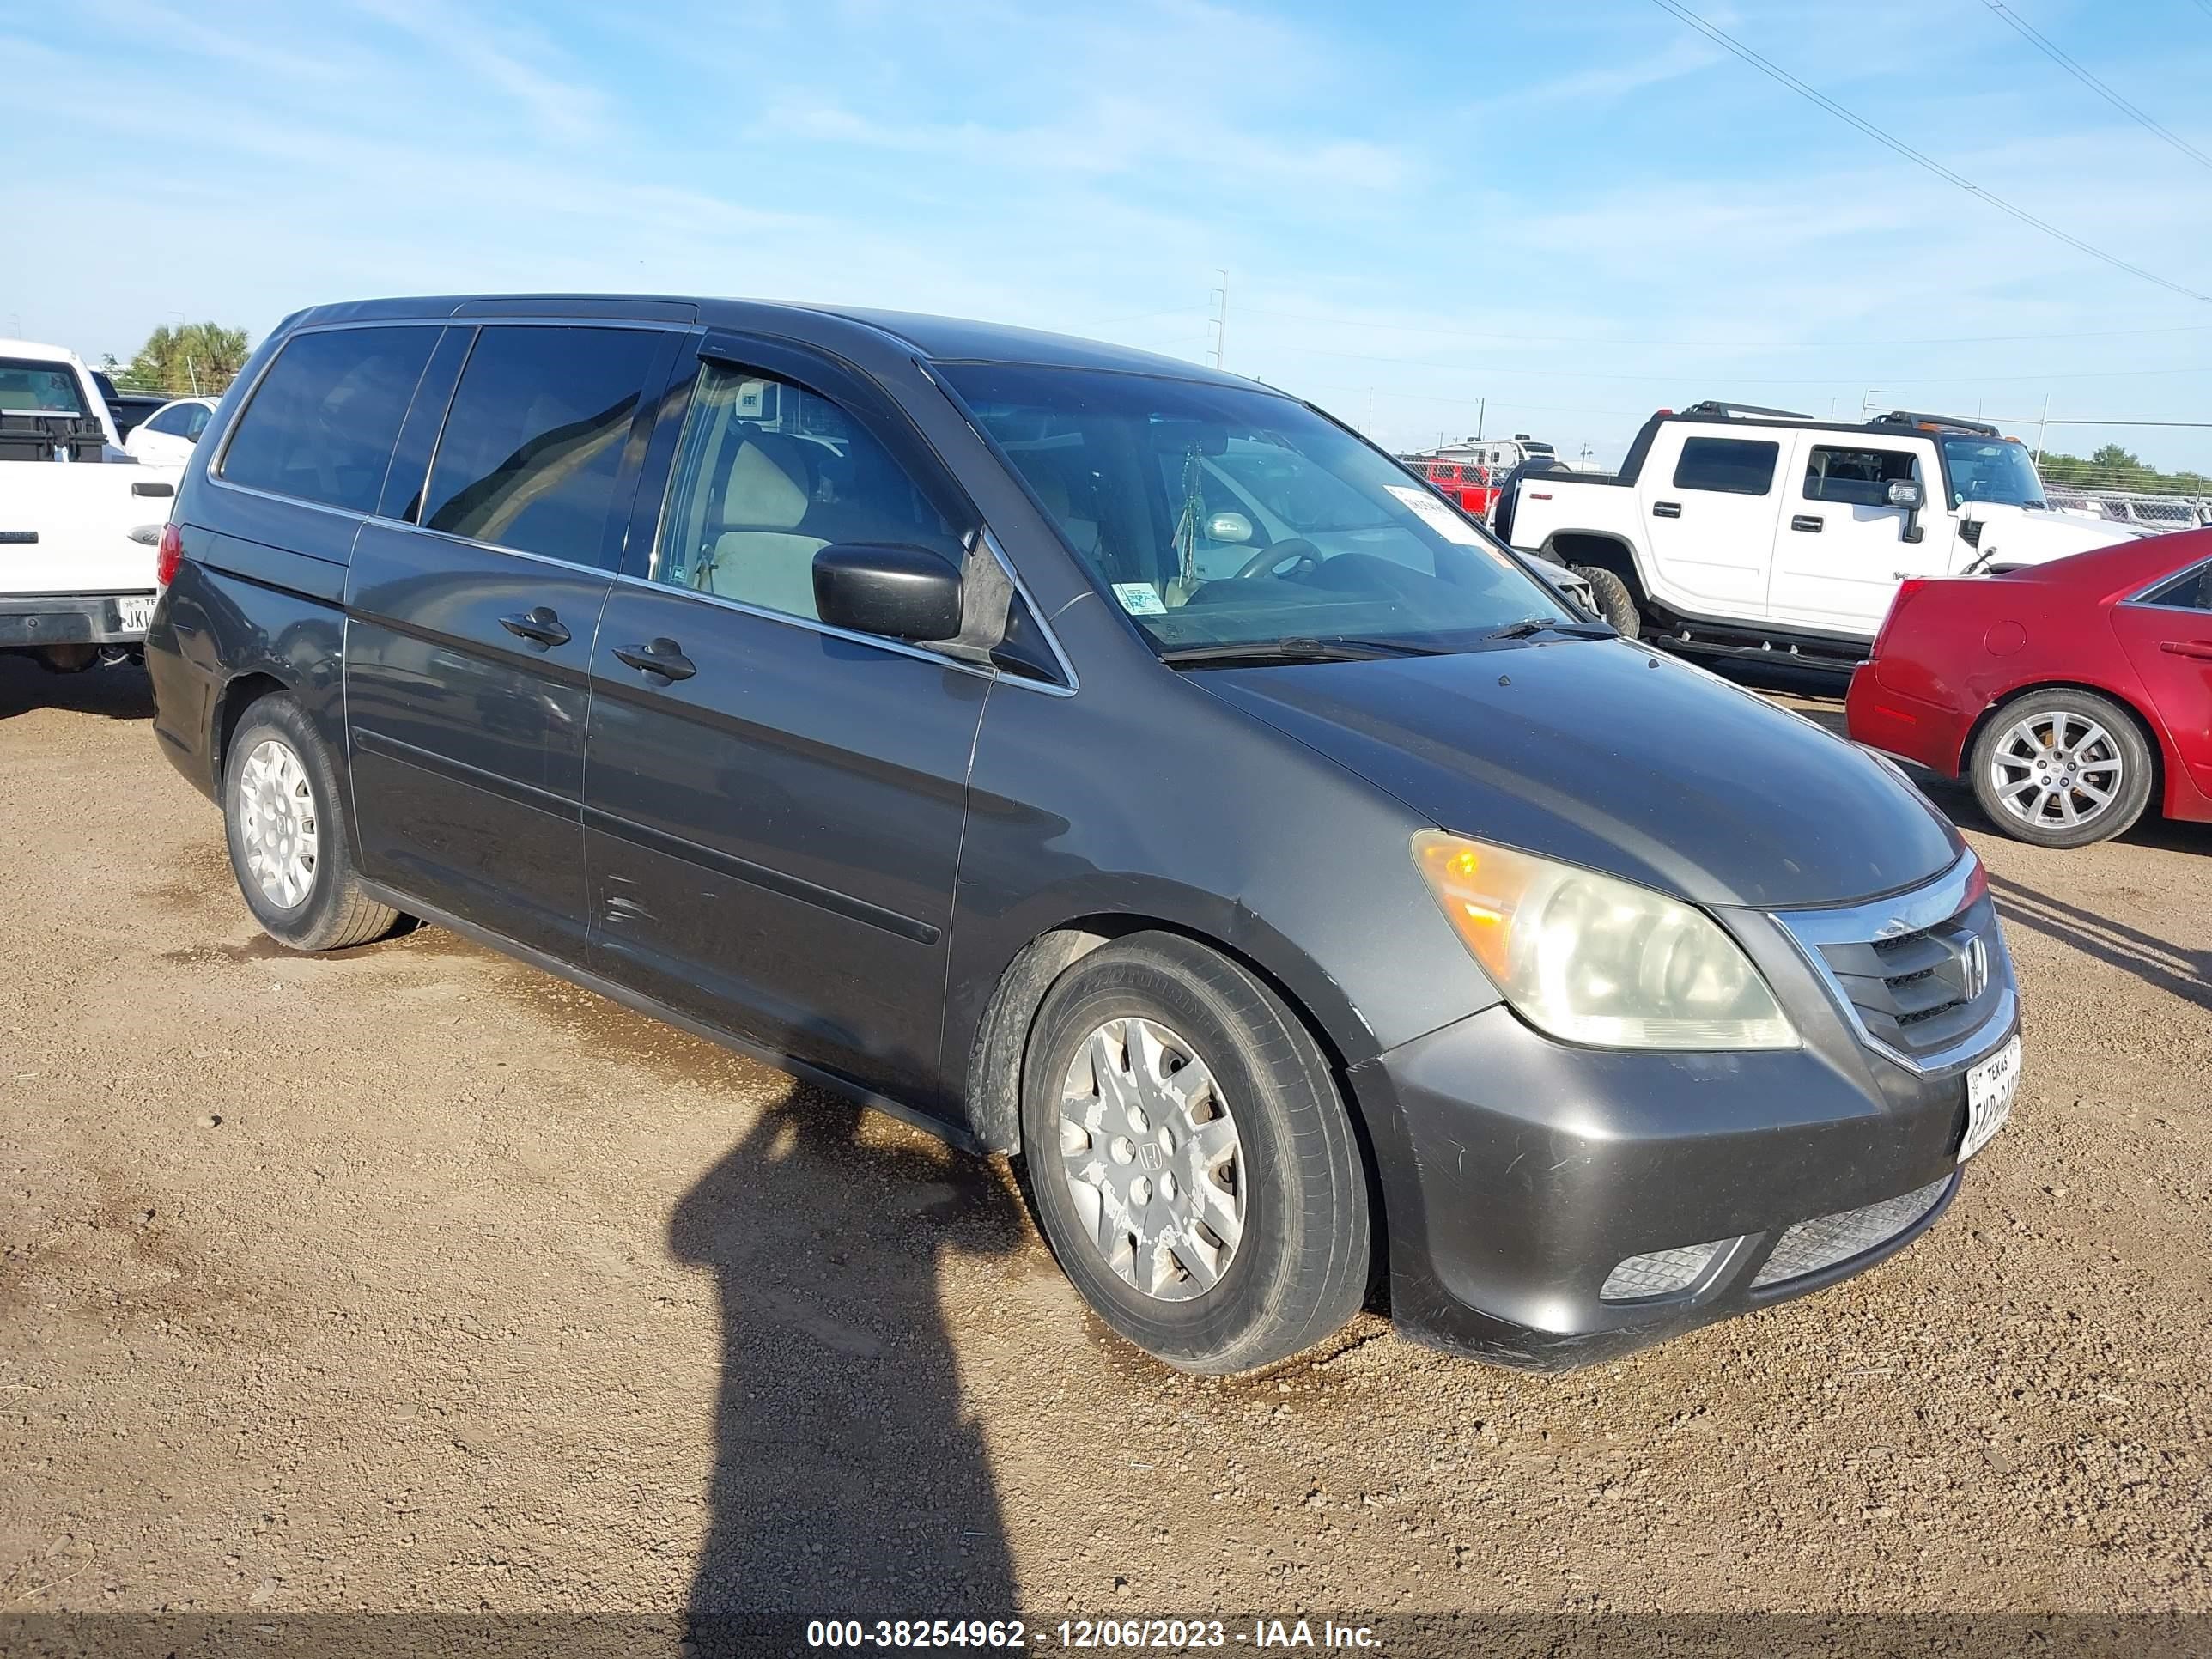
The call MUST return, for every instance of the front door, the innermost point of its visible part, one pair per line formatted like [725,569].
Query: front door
[471,612]
[1841,550]
[2168,638]
[773,808]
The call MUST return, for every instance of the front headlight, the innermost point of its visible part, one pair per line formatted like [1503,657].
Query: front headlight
[1596,960]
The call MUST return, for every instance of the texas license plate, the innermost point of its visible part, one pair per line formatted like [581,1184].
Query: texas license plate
[1990,1087]
[135,613]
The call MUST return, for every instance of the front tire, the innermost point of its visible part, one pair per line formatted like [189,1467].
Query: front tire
[1191,1162]
[1614,602]
[288,837]
[2061,769]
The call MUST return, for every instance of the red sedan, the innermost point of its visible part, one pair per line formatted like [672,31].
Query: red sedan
[2067,693]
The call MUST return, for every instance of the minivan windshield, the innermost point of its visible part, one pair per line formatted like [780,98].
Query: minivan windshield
[1990,470]
[1225,516]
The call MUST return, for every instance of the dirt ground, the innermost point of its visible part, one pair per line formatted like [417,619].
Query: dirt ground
[411,1278]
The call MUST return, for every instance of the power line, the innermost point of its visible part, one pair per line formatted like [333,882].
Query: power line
[1774,71]
[1722,345]
[2055,56]
[1675,378]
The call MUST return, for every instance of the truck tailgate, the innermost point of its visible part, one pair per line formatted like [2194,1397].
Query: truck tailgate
[65,526]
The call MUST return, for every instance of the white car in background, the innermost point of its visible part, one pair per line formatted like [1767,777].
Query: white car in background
[166,437]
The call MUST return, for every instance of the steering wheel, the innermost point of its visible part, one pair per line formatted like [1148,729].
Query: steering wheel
[1291,548]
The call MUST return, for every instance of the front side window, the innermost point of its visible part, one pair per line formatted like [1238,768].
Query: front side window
[324,419]
[1731,466]
[766,475]
[1991,470]
[35,388]
[1224,515]
[533,442]
[196,419]
[1856,477]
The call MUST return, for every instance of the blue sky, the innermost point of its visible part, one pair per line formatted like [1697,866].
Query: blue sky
[1579,211]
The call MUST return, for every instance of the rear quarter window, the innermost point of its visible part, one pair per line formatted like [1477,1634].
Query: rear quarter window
[323,420]
[1732,466]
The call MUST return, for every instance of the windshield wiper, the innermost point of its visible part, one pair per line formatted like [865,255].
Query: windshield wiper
[1527,625]
[1338,649]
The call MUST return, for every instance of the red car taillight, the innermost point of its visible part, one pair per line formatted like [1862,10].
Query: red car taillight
[1905,590]
[168,555]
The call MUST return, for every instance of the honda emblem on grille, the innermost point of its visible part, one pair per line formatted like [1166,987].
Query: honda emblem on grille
[1977,967]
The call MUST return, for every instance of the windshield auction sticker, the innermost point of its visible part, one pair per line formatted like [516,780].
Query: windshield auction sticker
[1438,517]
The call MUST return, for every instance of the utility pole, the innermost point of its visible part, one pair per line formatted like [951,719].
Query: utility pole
[1481,413]
[2039,426]
[1370,428]
[1220,319]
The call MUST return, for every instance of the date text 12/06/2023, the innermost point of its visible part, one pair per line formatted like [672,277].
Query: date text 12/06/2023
[1138,1635]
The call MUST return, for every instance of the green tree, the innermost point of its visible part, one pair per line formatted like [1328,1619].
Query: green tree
[192,360]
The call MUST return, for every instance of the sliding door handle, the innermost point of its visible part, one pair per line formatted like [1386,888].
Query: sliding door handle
[663,657]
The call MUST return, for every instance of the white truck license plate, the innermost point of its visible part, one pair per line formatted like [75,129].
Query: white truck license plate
[1990,1087]
[136,610]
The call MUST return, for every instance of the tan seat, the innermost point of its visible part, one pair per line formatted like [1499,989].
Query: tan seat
[766,562]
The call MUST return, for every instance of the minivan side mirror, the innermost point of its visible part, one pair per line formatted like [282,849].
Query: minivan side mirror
[887,588]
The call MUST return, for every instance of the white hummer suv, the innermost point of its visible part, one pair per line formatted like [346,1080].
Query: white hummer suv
[1736,530]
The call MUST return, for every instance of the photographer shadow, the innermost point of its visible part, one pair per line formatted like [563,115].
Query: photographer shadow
[849,1481]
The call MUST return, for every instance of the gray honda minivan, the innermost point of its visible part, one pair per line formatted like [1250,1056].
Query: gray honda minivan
[1097,759]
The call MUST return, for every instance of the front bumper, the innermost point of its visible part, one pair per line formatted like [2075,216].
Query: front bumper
[1527,1171]
[71,619]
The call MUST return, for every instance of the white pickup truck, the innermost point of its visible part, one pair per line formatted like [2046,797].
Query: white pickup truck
[79,519]
[1734,530]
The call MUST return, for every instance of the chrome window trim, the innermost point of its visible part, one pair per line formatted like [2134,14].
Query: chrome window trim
[1074,682]
[490,547]
[2141,599]
[1876,920]
[813,625]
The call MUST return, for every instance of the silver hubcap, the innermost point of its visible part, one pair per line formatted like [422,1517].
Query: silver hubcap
[2056,771]
[276,822]
[1151,1159]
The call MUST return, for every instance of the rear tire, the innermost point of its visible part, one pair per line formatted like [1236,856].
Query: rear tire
[287,833]
[1614,602]
[2061,769]
[1220,1225]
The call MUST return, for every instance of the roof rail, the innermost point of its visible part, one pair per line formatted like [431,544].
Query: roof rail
[1934,422]
[1730,412]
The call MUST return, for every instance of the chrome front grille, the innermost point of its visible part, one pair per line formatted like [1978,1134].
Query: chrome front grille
[1922,973]
[1823,1242]
[1920,991]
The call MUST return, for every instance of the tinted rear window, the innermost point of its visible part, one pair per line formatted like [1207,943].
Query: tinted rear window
[533,444]
[1735,467]
[324,419]
[35,388]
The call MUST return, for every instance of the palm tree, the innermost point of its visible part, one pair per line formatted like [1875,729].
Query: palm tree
[193,359]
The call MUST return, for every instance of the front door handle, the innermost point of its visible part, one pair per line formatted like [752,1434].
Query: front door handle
[539,624]
[2200,649]
[663,657]
[1666,509]
[1811,521]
